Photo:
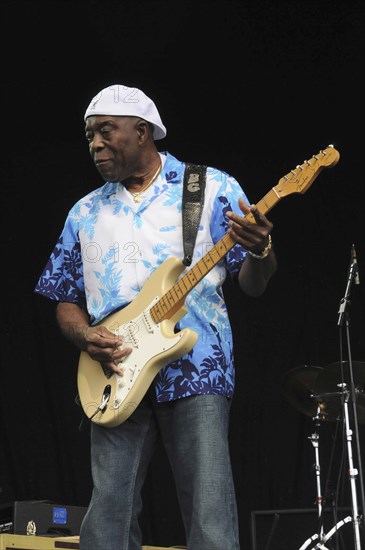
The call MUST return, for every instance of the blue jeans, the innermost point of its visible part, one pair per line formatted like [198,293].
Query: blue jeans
[194,432]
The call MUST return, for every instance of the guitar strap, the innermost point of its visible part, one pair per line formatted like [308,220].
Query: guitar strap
[192,206]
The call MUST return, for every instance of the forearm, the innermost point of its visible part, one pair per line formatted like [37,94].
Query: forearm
[73,322]
[101,344]
[255,274]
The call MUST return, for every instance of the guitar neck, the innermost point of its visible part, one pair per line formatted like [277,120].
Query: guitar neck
[173,299]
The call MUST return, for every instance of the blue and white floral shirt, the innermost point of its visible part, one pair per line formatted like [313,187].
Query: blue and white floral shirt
[110,246]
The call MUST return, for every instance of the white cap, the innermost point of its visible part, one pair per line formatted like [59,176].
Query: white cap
[120,100]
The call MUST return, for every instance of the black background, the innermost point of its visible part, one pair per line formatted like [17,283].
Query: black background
[254,88]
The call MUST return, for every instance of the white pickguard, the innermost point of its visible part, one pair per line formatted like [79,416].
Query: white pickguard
[147,341]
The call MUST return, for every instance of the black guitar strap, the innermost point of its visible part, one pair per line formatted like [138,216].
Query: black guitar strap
[192,207]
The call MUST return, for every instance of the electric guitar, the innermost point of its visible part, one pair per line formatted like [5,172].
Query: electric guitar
[147,324]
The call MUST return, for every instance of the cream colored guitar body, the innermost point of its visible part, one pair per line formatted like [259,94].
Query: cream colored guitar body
[154,345]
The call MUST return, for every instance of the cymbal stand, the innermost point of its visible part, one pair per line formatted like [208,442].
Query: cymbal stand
[321,537]
[353,472]
[315,442]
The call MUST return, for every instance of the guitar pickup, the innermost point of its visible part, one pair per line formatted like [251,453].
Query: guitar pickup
[131,334]
[148,321]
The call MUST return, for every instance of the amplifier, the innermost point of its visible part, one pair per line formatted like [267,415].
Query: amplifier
[38,517]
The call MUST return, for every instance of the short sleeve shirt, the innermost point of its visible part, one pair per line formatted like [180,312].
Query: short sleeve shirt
[110,246]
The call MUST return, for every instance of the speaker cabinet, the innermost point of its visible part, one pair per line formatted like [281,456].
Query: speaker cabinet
[290,529]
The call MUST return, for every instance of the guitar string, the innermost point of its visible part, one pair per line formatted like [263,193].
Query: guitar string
[269,200]
[133,339]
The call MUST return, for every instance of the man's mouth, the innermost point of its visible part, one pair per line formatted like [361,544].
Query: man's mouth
[100,162]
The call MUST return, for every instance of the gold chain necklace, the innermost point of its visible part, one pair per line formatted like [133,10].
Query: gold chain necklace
[137,196]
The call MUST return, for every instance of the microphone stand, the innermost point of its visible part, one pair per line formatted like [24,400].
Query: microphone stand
[343,315]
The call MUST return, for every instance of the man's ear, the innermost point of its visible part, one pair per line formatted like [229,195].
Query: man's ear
[144,129]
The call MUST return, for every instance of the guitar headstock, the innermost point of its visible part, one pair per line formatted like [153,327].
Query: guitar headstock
[300,179]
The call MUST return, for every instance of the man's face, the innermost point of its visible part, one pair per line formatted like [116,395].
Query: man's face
[114,144]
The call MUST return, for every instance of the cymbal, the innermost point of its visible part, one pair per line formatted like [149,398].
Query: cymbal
[334,374]
[298,386]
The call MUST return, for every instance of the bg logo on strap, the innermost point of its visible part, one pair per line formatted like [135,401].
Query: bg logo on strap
[193,183]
